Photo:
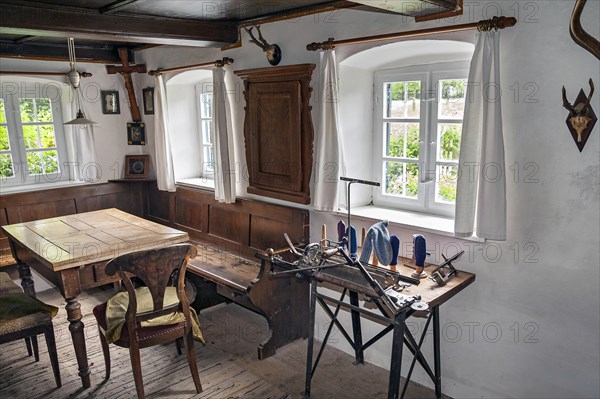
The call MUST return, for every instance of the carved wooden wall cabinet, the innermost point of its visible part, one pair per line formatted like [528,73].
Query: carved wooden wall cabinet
[278,131]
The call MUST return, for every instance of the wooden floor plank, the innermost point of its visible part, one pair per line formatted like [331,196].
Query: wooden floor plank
[227,363]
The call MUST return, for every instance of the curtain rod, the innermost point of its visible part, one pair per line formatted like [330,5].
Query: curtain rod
[82,74]
[216,64]
[483,25]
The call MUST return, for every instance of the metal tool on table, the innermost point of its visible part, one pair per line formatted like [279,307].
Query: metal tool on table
[439,275]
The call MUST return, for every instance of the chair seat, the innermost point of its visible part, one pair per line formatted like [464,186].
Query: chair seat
[7,286]
[25,322]
[144,333]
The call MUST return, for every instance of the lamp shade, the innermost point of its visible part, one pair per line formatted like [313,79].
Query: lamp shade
[80,120]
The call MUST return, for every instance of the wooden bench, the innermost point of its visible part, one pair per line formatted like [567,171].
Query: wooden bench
[282,301]
[226,269]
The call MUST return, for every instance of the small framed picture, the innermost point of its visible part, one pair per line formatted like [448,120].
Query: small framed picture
[110,102]
[136,134]
[136,166]
[148,95]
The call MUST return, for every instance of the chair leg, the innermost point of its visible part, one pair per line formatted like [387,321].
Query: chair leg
[191,355]
[106,353]
[34,344]
[179,344]
[51,343]
[136,366]
[28,345]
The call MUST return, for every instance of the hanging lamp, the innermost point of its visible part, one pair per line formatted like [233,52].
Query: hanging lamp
[74,79]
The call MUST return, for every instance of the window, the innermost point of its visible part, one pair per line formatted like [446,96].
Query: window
[205,114]
[418,123]
[31,139]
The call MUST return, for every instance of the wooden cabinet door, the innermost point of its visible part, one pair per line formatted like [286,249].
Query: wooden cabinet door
[278,131]
[275,131]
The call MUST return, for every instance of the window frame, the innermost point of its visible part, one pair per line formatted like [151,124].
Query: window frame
[429,75]
[201,90]
[18,150]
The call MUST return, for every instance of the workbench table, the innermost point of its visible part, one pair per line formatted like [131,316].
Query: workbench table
[352,289]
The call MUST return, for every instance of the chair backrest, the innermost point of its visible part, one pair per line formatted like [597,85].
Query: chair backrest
[155,268]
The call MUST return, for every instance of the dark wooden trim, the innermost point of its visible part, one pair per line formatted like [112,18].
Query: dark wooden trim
[58,51]
[31,19]
[117,6]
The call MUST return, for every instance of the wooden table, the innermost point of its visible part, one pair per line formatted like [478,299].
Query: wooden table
[73,251]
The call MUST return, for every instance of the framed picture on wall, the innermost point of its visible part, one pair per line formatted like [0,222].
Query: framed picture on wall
[110,102]
[148,95]
[136,133]
[136,166]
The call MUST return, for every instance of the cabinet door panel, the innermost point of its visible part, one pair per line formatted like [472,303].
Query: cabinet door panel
[276,133]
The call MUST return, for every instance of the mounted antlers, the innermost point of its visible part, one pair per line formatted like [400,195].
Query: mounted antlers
[273,51]
[579,113]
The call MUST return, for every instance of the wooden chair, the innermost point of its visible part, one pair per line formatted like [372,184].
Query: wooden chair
[8,287]
[29,325]
[154,268]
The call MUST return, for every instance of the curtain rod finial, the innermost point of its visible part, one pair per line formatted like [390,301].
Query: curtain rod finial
[326,45]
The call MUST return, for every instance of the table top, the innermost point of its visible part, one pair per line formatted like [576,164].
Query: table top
[75,240]
[429,291]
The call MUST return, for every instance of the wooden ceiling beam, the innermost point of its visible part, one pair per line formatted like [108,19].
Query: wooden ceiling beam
[30,19]
[117,6]
[58,52]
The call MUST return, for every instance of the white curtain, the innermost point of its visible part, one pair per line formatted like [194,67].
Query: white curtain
[165,175]
[329,162]
[222,139]
[481,186]
[81,141]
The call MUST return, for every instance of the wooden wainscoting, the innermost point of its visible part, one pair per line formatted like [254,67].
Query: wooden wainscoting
[242,228]
[33,205]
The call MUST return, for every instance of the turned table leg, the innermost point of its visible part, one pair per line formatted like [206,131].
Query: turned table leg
[26,280]
[76,327]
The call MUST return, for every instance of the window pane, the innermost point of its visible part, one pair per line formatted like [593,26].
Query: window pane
[445,184]
[451,103]
[47,136]
[4,142]
[206,105]
[208,159]
[27,111]
[30,136]
[6,167]
[402,139]
[34,163]
[449,135]
[206,129]
[44,111]
[402,179]
[403,99]
[2,114]
[50,161]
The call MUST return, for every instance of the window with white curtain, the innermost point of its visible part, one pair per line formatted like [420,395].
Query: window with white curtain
[32,143]
[418,114]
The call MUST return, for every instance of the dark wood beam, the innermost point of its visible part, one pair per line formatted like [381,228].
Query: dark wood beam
[58,52]
[117,5]
[24,39]
[28,18]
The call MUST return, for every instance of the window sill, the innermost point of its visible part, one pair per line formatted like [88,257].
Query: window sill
[419,222]
[197,182]
[5,190]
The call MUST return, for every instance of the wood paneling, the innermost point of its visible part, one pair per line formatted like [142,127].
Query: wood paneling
[242,228]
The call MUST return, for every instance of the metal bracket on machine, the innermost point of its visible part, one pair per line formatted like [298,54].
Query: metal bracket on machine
[439,275]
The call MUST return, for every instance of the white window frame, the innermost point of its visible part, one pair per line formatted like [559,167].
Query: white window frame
[18,151]
[201,91]
[429,75]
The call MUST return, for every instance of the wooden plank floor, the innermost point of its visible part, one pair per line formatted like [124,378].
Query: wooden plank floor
[228,364]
